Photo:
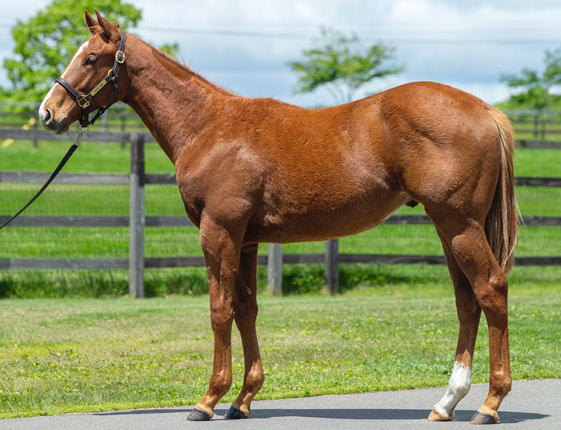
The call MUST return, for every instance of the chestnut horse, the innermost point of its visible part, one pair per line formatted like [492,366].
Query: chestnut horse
[254,170]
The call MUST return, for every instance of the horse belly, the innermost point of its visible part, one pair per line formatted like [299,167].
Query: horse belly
[326,216]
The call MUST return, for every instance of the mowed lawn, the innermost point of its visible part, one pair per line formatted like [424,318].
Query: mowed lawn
[70,355]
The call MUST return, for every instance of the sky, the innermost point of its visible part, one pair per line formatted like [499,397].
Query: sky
[245,45]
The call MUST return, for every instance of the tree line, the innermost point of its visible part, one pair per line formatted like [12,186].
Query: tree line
[339,62]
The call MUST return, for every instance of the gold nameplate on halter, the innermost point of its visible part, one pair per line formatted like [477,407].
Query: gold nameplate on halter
[120,57]
[98,87]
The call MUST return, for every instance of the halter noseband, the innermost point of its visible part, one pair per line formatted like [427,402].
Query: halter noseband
[111,77]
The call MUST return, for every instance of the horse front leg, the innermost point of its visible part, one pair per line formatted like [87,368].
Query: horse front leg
[221,250]
[245,317]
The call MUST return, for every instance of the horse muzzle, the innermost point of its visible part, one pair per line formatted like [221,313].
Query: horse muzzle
[51,124]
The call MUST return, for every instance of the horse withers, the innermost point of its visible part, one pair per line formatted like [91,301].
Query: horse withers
[254,170]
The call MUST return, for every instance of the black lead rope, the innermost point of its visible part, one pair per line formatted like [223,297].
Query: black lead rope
[51,178]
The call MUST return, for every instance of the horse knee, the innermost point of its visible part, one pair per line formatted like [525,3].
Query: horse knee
[221,317]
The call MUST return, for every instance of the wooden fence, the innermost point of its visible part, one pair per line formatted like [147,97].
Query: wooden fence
[137,221]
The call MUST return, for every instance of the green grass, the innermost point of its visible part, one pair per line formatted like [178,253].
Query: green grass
[73,355]
[540,163]
[90,157]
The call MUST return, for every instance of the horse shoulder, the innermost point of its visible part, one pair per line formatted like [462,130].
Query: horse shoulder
[222,176]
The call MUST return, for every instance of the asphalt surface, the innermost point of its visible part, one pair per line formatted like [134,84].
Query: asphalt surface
[532,405]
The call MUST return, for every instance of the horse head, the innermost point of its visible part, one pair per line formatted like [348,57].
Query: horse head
[83,85]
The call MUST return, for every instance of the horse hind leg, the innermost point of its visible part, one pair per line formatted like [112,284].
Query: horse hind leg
[469,314]
[470,248]
[245,317]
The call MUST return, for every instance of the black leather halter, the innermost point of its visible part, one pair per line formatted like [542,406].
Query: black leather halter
[84,100]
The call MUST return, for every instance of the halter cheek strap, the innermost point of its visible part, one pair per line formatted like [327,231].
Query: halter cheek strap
[84,100]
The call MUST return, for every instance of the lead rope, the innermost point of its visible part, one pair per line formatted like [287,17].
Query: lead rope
[66,157]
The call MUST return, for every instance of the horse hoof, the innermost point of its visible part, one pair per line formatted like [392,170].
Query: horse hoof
[234,414]
[484,418]
[435,416]
[198,415]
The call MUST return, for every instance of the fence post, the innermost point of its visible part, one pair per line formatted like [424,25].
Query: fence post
[35,127]
[536,126]
[274,268]
[332,265]
[137,220]
[105,122]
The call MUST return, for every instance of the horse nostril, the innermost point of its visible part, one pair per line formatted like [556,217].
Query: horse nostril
[45,115]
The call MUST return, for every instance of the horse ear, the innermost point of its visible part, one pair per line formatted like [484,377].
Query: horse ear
[90,22]
[109,29]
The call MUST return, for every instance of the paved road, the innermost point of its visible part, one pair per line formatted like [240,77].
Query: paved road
[531,405]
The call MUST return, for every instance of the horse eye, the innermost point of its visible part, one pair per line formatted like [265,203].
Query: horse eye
[91,60]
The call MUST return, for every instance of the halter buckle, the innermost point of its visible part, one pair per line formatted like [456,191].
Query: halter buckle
[120,57]
[83,102]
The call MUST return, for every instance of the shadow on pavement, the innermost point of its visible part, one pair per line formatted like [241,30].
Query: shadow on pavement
[346,414]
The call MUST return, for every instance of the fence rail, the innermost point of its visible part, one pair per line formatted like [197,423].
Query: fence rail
[137,221]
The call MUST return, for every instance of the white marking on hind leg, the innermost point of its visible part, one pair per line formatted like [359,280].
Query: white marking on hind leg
[458,387]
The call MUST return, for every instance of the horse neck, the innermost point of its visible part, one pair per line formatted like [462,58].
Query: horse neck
[173,102]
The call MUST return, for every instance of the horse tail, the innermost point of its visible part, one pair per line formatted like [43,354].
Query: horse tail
[502,220]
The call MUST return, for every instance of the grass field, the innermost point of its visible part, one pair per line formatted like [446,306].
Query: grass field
[72,355]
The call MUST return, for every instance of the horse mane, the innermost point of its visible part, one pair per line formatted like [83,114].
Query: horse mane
[179,69]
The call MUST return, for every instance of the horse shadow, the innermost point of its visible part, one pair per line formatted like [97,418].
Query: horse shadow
[386,414]
[346,414]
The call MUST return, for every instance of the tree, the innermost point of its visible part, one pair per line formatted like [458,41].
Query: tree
[342,64]
[46,42]
[170,48]
[535,90]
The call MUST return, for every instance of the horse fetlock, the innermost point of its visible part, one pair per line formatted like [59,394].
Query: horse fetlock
[440,415]
[219,386]
[501,384]
[255,379]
